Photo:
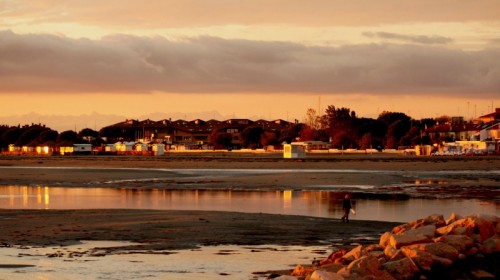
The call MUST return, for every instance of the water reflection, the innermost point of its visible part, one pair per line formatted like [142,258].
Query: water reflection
[286,202]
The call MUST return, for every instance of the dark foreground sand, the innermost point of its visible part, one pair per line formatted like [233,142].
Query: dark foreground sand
[187,229]
[169,230]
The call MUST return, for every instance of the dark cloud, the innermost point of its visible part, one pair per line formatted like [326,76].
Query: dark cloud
[122,63]
[419,39]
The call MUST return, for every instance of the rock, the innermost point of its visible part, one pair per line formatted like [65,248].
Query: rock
[390,251]
[399,240]
[459,242]
[332,267]
[481,274]
[439,249]
[491,245]
[428,230]
[385,239]
[471,251]
[299,270]
[453,217]
[286,277]
[333,257]
[373,247]
[490,218]
[325,275]
[401,269]
[398,256]
[404,227]
[377,254]
[354,254]
[485,228]
[366,265]
[422,259]
[436,220]
[442,261]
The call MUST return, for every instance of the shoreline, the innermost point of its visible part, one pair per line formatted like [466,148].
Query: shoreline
[175,229]
[160,230]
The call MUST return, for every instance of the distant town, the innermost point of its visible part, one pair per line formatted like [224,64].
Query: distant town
[337,130]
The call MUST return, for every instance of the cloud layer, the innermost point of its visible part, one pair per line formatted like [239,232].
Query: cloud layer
[124,63]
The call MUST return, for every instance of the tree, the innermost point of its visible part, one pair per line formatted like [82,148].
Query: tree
[11,135]
[48,136]
[88,133]
[221,139]
[391,117]
[68,137]
[112,133]
[366,141]
[395,132]
[29,135]
[251,136]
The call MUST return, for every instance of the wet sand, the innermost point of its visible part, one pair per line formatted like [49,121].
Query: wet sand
[187,229]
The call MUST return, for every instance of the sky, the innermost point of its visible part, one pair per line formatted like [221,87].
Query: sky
[74,64]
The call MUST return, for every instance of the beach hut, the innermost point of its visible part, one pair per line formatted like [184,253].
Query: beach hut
[294,150]
[159,149]
[82,148]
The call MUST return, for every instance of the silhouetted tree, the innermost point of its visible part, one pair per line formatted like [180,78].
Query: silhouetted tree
[221,139]
[251,136]
[68,137]
[29,135]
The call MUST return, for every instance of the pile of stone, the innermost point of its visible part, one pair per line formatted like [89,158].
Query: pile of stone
[430,248]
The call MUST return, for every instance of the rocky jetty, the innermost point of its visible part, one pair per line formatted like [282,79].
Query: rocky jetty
[429,248]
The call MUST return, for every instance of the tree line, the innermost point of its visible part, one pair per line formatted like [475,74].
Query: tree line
[340,127]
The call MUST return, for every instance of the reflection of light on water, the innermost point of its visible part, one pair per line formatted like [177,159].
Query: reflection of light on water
[238,262]
[287,199]
[46,197]
[322,203]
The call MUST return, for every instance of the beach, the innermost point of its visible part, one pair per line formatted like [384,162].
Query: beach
[173,230]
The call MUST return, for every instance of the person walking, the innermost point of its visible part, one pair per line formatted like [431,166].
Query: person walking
[346,207]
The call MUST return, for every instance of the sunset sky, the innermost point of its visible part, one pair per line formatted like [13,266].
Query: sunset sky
[74,64]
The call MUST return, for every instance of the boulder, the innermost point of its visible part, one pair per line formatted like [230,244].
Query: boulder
[422,259]
[471,251]
[481,274]
[491,245]
[442,261]
[436,220]
[404,227]
[332,267]
[490,218]
[459,242]
[438,249]
[299,270]
[459,227]
[485,228]
[401,269]
[366,265]
[428,230]
[325,275]
[390,251]
[377,254]
[453,217]
[333,257]
[373,247]
[399,240]
[286,277]
[354,254]
[397,256]
[385,239]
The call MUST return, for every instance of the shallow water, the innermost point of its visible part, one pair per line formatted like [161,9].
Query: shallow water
[287,202]
[213,262]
